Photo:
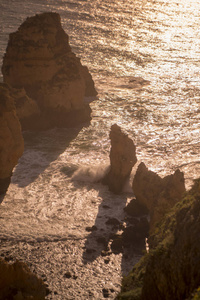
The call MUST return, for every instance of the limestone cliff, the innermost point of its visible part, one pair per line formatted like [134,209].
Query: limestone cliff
[122,159]
[158,194]
[171,269]
[39,59]
[11,140]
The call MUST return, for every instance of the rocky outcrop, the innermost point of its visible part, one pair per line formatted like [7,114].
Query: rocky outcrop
[39,60]
[171,269]
[122,159]
[156,193]
[11,140]
[17,282]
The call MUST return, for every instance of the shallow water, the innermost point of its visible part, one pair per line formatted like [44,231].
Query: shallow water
[144,57]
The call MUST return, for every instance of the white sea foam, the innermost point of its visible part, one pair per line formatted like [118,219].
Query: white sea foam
[90,173]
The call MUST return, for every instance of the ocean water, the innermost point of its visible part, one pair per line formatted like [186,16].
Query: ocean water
[144,57]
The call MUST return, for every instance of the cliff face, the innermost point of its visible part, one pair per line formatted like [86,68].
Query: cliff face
[122,159]
[171,269]
[11,140]
[39,59]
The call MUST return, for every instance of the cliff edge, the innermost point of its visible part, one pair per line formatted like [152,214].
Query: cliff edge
[171,269]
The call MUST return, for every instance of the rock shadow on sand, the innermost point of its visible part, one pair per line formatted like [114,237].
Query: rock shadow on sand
[114,232]
[41,148]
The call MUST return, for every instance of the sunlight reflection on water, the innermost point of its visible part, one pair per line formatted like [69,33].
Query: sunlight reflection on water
[145,59]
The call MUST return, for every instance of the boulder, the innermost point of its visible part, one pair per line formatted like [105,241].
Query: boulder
[39,60]
[17,282]
[156,193]
[122,159]
[11,140]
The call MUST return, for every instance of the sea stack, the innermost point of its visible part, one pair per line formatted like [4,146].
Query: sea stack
[122,159]
[11,140]
[39,60]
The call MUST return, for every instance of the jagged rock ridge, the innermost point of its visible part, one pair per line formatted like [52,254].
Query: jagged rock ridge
[39,59]
[158,194]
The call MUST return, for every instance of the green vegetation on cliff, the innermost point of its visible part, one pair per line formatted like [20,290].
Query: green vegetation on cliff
[171,269]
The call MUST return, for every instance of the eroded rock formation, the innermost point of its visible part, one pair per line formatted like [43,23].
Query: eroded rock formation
[40,60]
[17,282]
[156,193]
[122,159]
[171,270]
[11,140]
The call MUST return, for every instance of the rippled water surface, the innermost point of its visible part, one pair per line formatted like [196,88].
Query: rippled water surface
[145,59]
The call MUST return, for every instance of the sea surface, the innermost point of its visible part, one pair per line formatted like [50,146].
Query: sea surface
[144,57]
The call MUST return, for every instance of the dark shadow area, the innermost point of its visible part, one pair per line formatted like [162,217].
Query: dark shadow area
[115,230]
[108,225]
[41,148]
